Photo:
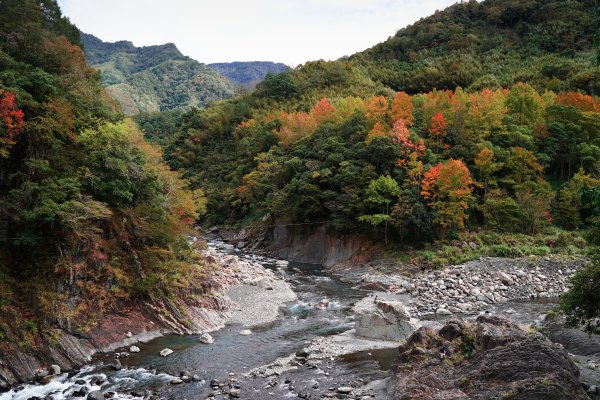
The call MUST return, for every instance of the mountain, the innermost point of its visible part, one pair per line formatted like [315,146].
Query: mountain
[489,44]
[248,73]
[154,78]
[479,117]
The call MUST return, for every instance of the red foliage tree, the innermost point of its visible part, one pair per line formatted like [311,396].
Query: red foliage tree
[11,122]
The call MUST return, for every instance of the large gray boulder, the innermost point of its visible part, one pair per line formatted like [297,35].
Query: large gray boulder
[488,359]
[383,319]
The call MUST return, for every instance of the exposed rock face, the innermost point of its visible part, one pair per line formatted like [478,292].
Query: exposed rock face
[383,320]
[316,246]
[134,323]
[487,359]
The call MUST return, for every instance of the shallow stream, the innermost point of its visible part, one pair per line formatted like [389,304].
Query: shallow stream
[232,355]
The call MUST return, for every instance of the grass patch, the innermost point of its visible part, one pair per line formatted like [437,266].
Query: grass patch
[470,246]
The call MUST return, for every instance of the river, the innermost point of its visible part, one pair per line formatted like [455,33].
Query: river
[229,359]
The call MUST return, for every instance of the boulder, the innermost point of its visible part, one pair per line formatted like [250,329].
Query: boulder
[443,311]
[55,369]
[166,352]
[116,364]
[95,395]
[510,363]
[206,338]
[383,320]
[134,349]
[505,278]
[246,332]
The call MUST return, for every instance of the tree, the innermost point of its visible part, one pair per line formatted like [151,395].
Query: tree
[525,105]
[11,122]
[377,108]
[438,129]
[323,111]
[581,304]
[400,136]
[380,194]
[484,161]
[377,131]
[534,199]
[279,86]
[402,108]
[448,187]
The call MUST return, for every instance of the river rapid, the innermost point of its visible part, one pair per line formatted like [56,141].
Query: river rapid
[222,369]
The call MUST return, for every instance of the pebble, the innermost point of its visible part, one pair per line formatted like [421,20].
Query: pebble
[246,332]
[134,349]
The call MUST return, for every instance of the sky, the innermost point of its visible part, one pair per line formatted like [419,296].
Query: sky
[288,31]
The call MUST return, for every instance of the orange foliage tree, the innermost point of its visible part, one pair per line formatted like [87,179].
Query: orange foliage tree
[582,101]
[448,186]
[377,131]
[323,111]
[438,130]
[377,108]
[402,108]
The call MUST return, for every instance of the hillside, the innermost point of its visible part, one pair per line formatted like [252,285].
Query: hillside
[91,219]
[154,78]
[493,43]
[248,73]
[481,116]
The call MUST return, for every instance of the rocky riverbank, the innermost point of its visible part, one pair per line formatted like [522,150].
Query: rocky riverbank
[256,295]
[471,287]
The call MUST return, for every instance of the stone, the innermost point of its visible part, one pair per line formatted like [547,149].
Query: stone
[55,369]
[443,311]
[95,395]
[176,381]
[344,390]
[235,392]
[383,320]
[81,392]
[116,364]
[206,338]
[196,378]
[134,349]
[506,279]
[129,334]
[265,283]
[246,332]
[42,373]
[450,331]
[166,352]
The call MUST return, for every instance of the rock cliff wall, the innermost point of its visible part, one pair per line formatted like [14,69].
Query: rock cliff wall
[315,245]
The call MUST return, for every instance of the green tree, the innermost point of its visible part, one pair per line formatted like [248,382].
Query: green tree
[581,304]
[381,193]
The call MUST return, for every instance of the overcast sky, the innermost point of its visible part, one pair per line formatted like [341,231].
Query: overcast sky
[288,31]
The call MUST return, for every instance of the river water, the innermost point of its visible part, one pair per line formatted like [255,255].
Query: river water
[232,355]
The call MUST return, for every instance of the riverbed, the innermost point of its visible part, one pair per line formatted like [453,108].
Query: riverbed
[223,369]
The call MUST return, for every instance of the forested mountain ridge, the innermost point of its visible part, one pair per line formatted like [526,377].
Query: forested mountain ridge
[154,78]
[248,73]
[431,134]
[493,43]
[159,78]
[90,216]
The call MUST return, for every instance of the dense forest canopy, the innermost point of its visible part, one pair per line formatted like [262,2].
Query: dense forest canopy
[90,215]
[482,115]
